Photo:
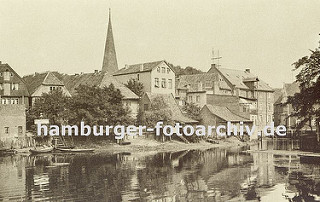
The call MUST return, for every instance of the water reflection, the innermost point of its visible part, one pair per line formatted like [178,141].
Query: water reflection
[212,175]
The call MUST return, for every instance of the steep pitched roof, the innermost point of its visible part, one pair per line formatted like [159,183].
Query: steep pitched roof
[33,81]
[22,90]
[95,79]
[225,114]
[237,78]
[110,64]
[277,94]
[177,114]
[136,68]
[289,89]
[191,82]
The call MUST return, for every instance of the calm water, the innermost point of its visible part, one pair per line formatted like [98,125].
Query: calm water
[212,175]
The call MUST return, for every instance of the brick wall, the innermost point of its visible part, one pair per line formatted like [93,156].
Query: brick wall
[12,125]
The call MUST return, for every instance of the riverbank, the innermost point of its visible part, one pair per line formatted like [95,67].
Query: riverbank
[146,145]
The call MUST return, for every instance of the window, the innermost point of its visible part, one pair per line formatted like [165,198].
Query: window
[128,104]
[198,98]
[0,74]
[261,94]
[11,74]
[20,130]
[163,83]
[14,86]
[146,107]
[13,101]
[168,70]
[52,88]
[156,82]
[170,83]
[190,98]
[269,95]
[6,130]
[163,70]
[158,69]
[260,118]
[5,101]
[138,77]
[208,84]
[1,86]
[269,107]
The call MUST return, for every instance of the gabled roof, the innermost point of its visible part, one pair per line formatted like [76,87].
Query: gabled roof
[136,68]
[22,90]
[225,114]
[289,89]
[277,94]
[95,79]
[191,82]
[238,78]
[177,114]
[33,81]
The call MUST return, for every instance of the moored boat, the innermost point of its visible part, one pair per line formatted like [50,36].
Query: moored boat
[74,150]
[40,150]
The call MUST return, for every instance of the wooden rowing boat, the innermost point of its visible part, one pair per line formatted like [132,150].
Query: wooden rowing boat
[40,150]
[75,150]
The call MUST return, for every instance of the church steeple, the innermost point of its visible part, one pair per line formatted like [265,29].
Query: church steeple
[110,64]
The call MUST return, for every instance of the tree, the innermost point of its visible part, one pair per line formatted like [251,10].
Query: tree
[98,106]
[52,106]
[306,103]
[158,111]
[135,86]
[192,111]
[184,71]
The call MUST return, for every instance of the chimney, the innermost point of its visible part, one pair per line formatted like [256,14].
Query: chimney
[96,71]
[141,67]
[126,66]
[247,70]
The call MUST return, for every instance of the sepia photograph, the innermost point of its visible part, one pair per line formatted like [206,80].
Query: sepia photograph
[160,101]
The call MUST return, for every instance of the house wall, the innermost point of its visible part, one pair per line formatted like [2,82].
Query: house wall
[197,98]
[209,119]
[144,78]
[264,108]
[46,89]
[12,89]
[12,126]
[133,106]
[163,75]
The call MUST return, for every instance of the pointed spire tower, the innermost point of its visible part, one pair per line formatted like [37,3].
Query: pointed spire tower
[110,64]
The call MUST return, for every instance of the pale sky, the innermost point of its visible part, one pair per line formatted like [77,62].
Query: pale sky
[69,35]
